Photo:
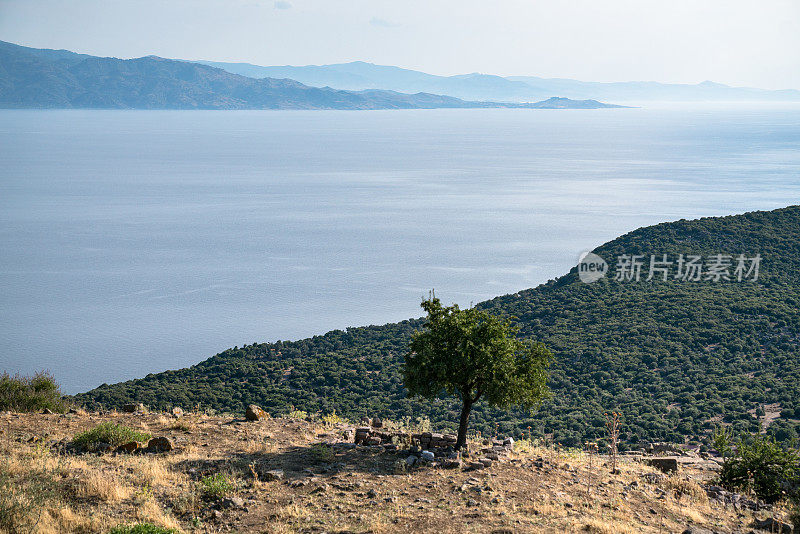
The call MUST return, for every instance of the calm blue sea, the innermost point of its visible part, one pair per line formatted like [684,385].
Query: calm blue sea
[137,241]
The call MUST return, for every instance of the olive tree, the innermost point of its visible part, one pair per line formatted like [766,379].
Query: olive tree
[474,355]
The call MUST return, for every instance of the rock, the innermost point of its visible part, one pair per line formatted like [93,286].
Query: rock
[76,411]
[411,460]
[487,462]
[508,442]
[665,464]
[255,413]
[133,408]
[103,447]
[177,412]
[428,456]
[697,530]
[47,411]
[772,525]
[377,422]
[475,465]
[159,444]
[232,502]
[273,474]
[372,494]
[129,448]
[451,464]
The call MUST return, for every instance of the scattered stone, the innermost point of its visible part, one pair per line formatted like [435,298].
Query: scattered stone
[371,494]
[411,460]
[255,413]
[697,530]
[665,464]
[232,502]
[159,444]
[374,440]
[129,448]
[487,462]
[772,525]
[428,456]
[133,408]
[377,422]
[472,466]
[274,474]
[47,411]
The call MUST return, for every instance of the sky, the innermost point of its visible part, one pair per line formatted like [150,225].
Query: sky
[752,43]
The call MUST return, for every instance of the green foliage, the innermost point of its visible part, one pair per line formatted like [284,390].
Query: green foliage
[673,357]
[108,432]
[31,394]
[333,419]
[216,486]
[321,453]
[141,528]
[766,468]
[474,355]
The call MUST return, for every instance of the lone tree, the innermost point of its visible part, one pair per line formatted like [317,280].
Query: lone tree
[474,355]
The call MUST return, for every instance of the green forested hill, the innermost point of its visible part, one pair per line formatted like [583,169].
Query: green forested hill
[676,358]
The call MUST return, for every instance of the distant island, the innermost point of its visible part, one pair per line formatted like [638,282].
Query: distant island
[60,79]
[359,75]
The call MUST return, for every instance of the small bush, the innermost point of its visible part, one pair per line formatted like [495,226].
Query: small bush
[110,433]
[141,528]
[322,453]
[31,393]
[297,414]
[216,486]
[761,465]
[332,419]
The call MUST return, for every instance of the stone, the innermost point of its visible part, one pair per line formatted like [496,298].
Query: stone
[159,444]
[232,502]
[255,413]
[428,456]
[475,465]
[133,408]
[697,530]
[772,525]
[411,460]
[177,411]
[377,422]
[371,494]
[273,474]
[487,462]
[374,440]
[451,464]
[47,411]
[665,464]
[129,448]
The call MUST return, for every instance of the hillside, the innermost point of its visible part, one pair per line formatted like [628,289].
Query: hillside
[359,75]
[225,474]
[677,358]
[59,79]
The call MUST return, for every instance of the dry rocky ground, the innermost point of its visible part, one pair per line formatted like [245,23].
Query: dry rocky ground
[289,475]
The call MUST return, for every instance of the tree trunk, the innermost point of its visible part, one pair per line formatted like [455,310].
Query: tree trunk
[463,424]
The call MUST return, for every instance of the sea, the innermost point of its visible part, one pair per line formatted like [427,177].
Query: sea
[137,241]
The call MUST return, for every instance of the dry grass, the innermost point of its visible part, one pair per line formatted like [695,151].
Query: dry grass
[569,492]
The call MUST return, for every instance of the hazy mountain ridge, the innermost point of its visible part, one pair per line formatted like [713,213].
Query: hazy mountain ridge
[33,78]
[359,75]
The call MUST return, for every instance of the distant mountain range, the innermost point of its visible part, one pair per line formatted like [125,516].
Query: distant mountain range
[35,78]
[358,76]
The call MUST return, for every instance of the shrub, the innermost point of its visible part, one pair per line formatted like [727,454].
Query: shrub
[763,466]
[141,528]
[31,393]
[322,453]
[216,486]
[332,419]
[108,432]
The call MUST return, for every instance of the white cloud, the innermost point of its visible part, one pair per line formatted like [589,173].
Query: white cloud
[282,4]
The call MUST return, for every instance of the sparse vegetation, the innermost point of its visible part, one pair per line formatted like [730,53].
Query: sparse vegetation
[216,486]
[141,528]
[31,393]
[109,433]
[761,465]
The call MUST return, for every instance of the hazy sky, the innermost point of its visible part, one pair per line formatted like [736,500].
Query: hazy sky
[739,42]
